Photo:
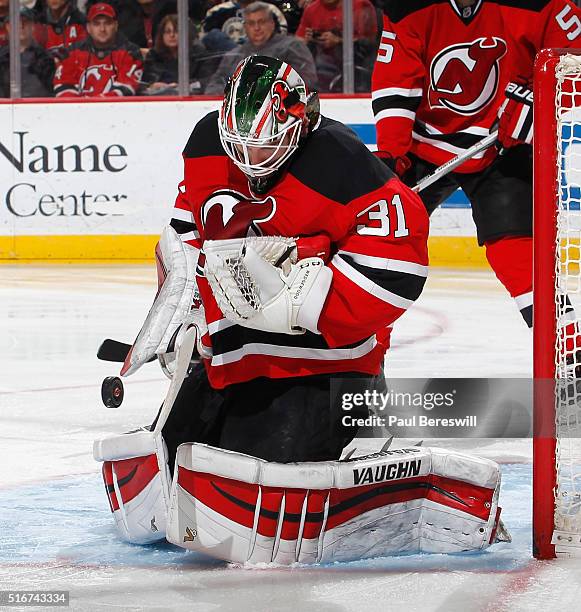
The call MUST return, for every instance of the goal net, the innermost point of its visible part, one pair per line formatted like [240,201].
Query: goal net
[557,304]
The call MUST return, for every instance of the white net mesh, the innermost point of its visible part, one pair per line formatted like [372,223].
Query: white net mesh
[568,302]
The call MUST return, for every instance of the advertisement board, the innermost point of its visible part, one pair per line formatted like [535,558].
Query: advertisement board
[97,179]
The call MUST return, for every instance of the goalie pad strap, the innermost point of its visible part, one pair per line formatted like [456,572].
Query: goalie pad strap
[409,500]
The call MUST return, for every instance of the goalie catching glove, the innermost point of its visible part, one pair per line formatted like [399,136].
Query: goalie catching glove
[258,282]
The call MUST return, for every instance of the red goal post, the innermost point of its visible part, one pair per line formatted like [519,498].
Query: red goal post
[557,287]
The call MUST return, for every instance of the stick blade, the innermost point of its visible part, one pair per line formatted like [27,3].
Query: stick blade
[113,350]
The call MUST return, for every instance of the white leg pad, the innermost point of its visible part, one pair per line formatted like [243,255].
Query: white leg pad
[136,479]
[243,509]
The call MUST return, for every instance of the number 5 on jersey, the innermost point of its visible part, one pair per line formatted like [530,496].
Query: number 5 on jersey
[379,222]
[385,50]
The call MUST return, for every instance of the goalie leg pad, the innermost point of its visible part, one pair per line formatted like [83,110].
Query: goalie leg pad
[243,509]
[136,480]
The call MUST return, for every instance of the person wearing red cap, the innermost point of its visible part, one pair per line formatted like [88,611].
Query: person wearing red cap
[105,64]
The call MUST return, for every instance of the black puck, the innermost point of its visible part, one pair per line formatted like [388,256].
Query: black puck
[112,392]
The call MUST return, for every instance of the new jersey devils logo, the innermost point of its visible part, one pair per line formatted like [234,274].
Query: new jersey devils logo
[228,214]
[97,78]
[464,78]
[281,95]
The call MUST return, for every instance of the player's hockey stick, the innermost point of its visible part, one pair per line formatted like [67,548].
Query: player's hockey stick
[444,169]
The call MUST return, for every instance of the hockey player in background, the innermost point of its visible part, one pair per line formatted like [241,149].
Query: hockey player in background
[305,249]
[447,74]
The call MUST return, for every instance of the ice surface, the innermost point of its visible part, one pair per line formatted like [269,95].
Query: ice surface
[55,525]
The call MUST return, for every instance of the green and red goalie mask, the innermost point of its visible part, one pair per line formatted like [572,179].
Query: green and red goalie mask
[263,115]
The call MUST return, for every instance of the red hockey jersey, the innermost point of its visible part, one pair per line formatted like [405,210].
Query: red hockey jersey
[441,71]
[333,186]
[64,33]
[87,71]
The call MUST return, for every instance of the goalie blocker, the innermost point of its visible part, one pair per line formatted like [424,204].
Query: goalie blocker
[175,309]
[242,509]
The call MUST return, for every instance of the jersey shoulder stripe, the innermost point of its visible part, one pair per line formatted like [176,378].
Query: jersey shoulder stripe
[204,140]
[335,163]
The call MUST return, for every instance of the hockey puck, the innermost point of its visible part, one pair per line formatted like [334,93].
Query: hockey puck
[112,392]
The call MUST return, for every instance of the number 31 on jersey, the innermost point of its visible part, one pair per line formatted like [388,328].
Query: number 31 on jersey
[380,221]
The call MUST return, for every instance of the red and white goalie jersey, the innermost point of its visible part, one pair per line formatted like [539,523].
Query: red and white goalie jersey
[333,186]
[85,70]
[441,70]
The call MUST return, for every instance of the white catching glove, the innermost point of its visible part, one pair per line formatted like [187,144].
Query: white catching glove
[254,292]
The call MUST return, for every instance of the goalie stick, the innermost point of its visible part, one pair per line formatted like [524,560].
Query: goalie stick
[114,350]
[453,163]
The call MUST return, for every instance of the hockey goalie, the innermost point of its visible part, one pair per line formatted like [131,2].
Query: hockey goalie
[291,252]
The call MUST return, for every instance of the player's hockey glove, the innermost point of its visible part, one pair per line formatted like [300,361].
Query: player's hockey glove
[258,283]
[399,165]
[515,116]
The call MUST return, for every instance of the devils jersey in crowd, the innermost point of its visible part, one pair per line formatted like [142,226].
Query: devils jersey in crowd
[333,186]
[87,71]
[441,70]
[65,32]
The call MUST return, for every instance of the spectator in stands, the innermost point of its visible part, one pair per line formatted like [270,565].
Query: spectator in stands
[63,25]
[292,11]
[4,10]
[105,64]
[139,21]
[259,25]
[136,21]
[228,18]
[161,64]
[37,67]
[321,27]
[196,11]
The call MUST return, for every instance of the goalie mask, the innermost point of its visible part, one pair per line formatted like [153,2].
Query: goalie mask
[265,112]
